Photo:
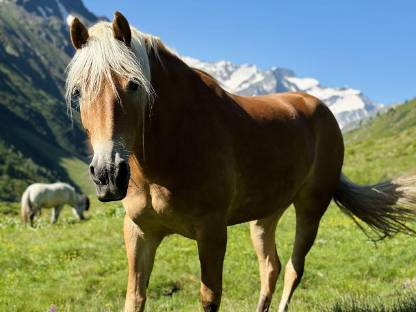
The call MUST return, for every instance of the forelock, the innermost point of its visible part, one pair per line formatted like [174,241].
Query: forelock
[104,56]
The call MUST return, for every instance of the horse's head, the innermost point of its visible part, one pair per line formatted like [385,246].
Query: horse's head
[110,78]
[82,204]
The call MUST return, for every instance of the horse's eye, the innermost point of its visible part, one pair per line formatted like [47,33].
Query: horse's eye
[132,86]
[76,93]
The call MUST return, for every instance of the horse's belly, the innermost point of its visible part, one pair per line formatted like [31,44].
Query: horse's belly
[254,206]
[48,199]
[54,201]
[266,191]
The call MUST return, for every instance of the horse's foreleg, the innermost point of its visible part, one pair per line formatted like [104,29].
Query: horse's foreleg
[55,214]
[262,236]
[141,248]
[308,215]
[212,241]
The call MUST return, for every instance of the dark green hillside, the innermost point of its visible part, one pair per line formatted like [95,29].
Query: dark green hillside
[34,54]
[35,131]
[16,171]
[383,148]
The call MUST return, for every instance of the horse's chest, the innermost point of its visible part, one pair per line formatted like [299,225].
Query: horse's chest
[155,210]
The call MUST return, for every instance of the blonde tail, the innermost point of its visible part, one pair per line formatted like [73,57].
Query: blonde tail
[385,207]
[26,208]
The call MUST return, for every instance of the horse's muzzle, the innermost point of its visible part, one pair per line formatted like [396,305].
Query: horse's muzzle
[111,180]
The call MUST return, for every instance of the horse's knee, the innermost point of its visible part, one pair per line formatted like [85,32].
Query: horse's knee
[274,266]
[295,268]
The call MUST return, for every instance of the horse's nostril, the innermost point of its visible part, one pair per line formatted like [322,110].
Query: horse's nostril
[99,177]
[103,179]
[123,173]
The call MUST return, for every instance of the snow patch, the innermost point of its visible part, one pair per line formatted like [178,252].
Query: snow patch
[242,74]
[348,105]
[304,83]
[69,19]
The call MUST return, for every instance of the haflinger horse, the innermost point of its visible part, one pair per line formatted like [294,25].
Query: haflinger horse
[54,195]
[187,157]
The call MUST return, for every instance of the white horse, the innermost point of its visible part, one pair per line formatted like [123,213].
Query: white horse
[55,195]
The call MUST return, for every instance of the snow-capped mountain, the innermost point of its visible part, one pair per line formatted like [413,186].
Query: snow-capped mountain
[348,105]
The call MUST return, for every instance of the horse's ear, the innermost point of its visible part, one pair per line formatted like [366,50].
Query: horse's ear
[121,28]
[79,34]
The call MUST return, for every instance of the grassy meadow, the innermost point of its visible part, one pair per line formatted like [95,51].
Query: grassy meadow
[81,266]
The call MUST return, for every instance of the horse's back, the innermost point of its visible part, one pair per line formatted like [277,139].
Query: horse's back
[283,106]
[50,195]
[294,116]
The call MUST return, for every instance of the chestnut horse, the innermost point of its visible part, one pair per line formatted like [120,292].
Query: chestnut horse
[187,157]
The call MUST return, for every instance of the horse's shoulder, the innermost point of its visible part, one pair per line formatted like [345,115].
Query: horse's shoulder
[35,186]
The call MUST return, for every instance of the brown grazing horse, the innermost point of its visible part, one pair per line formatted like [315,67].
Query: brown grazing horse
[187,157]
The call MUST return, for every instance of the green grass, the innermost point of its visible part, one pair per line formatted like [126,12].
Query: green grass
[406,303]
[81,266]
[77,171]
[383,148]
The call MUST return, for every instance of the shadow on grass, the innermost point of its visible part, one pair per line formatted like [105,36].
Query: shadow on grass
[406,303]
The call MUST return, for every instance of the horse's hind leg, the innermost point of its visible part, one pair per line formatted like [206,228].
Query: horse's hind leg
[263,239]
[33,212]
[309,210]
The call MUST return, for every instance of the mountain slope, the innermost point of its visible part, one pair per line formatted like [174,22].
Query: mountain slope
[35,131]
[348,105]
[384,147]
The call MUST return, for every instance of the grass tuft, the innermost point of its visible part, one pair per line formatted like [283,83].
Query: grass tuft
[403,303]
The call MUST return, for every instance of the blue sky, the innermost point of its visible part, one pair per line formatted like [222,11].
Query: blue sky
[365,44]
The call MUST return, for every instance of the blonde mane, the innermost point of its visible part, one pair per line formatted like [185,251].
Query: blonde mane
[103,56]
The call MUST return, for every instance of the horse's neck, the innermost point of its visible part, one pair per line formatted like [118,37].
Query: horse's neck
[183,119]
[73,198]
